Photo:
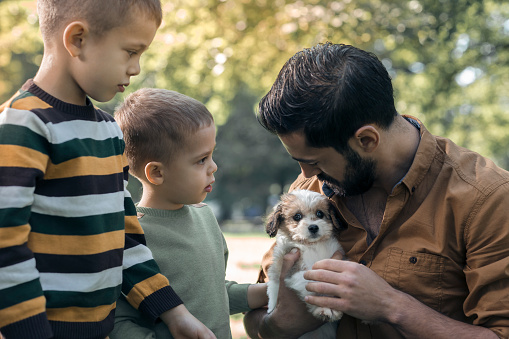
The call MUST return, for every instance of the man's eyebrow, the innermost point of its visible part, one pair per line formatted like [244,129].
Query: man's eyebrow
[304,161]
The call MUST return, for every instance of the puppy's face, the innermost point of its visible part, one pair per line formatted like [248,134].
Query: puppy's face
[304,216]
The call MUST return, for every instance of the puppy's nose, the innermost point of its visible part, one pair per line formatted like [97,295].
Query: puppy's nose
[313,229]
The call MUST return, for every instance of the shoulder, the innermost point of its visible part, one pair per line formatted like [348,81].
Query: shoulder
[479,172]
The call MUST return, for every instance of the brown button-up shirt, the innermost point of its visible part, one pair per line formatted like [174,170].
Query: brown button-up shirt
[444,238]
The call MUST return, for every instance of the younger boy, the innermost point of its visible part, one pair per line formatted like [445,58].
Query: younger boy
[70,242]
[169,143]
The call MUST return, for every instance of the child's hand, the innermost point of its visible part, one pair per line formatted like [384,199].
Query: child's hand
[183,324]
[257,295]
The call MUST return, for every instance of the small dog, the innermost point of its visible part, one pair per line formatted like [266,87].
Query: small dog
[308,221]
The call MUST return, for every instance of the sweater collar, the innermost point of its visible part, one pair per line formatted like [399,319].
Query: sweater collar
[85,110]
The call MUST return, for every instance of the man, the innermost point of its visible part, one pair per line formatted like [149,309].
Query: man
[426,223]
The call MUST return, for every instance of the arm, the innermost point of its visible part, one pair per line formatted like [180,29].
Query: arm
[127,323]
[183,324]
[22,163]
[358,291]
[289,319]
[257,295]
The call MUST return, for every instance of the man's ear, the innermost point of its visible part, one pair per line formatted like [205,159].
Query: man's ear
[74,37]
[366,138]
[154,172]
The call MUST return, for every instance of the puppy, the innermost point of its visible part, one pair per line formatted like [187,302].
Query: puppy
[308,221]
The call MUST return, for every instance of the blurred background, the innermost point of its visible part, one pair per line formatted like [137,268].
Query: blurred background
[449,61]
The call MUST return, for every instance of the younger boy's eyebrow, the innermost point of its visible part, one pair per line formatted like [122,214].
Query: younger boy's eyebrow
[206,153]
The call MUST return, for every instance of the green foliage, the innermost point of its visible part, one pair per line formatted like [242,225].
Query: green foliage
[449,60]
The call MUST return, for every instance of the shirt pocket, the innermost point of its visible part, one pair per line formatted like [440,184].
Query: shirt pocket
[418,274]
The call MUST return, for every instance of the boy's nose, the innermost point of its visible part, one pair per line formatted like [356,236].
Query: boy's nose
[214,167]
[134,68]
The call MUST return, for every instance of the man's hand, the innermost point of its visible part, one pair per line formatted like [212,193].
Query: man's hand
[183,324]
[351,288]
[289,319]
[358,291]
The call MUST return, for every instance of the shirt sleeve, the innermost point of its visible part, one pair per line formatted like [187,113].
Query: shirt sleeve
[143,285]
[23,160]
[487,262]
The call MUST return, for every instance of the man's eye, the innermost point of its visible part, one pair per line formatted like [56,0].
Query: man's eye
[319,214]
[297,217]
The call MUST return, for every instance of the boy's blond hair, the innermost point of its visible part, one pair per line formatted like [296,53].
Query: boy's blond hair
[157,123]
[101,15]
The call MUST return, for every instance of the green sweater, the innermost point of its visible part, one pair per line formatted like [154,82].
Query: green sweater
[189,247]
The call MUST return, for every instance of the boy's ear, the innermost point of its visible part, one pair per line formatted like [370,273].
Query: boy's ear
[74,37]
[154,172]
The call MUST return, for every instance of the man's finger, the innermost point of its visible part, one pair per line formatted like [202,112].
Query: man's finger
[338,255]
[288,261]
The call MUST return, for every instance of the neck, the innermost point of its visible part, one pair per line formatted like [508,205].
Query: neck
[53,77]
[397,154]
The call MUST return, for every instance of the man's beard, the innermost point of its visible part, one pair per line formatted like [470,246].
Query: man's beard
[359,175]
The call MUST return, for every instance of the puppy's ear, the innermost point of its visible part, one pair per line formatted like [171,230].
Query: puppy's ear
[335,218]
[274,220]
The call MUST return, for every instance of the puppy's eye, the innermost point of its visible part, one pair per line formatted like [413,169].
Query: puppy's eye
[319,214]
[297,217]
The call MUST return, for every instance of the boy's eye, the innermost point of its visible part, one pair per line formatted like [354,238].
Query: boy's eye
[202,161]
[131,53]
[319,214]
[297,217]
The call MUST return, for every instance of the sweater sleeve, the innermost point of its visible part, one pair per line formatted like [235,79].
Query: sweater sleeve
[143,285]
[237,293]
[128,323]
[23,160]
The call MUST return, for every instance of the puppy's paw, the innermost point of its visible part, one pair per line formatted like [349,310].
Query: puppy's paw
[327,314]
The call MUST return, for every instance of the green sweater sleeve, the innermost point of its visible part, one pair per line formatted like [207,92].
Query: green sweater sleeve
[127,323]
[237,297]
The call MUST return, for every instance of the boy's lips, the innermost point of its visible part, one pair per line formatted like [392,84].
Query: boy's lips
[208,189]
[121,87]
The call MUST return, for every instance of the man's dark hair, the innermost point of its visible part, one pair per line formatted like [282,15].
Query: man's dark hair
[328,92]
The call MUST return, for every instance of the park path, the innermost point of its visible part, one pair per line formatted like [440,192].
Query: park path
[243,266]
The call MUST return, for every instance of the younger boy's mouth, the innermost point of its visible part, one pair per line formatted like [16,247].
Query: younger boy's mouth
[208,189]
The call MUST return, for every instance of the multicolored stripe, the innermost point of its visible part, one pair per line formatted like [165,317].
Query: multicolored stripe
[69,238]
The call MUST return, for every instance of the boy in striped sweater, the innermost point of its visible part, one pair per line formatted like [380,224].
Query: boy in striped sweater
[70,242]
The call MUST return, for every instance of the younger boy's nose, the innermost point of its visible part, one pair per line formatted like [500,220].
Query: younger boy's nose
[213,168]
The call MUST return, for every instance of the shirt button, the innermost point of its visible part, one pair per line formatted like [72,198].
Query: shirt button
[413,260]
[413,189]
[363,262]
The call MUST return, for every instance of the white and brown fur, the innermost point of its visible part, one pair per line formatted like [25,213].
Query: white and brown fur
[308,221]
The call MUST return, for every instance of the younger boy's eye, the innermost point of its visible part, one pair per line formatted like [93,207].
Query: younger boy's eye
[202,161]
[131,53]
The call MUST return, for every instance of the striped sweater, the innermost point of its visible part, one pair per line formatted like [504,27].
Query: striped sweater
[70,241]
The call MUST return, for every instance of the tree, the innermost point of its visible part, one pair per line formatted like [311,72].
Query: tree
[448,60]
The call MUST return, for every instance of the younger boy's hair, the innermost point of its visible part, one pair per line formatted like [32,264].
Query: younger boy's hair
[156,124]
[101,15]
